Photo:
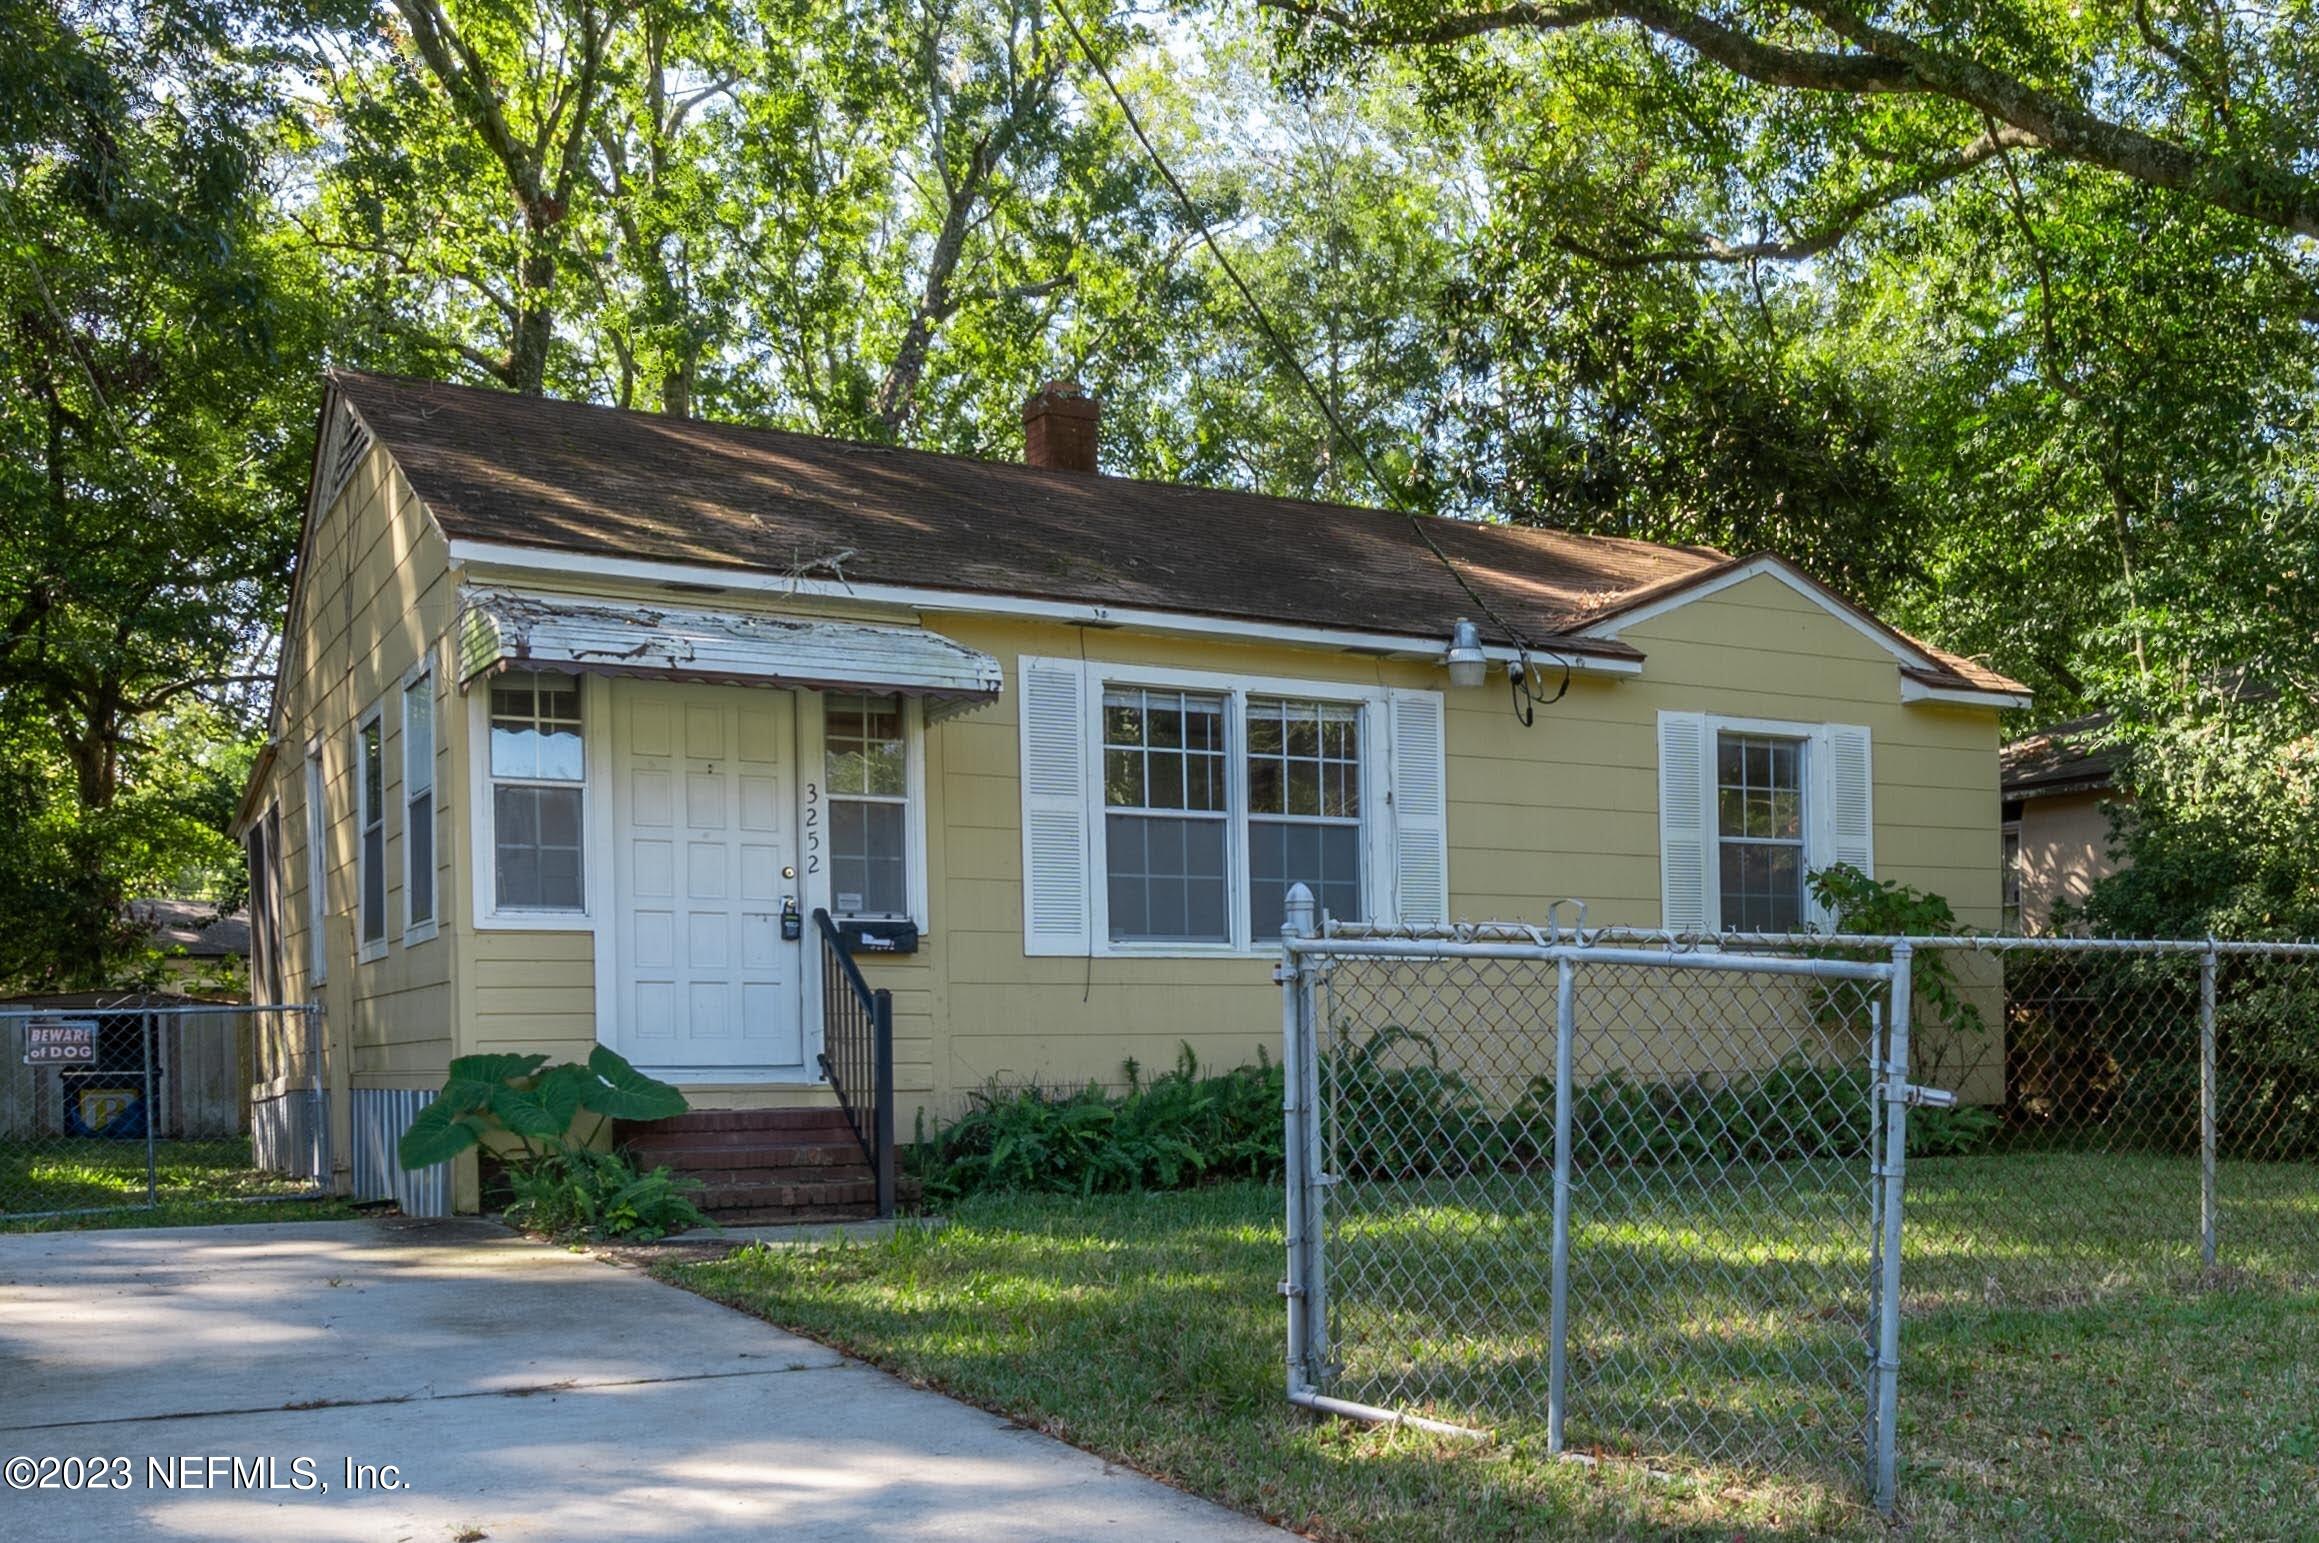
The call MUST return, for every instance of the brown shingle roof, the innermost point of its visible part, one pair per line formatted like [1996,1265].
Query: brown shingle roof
[535,472]
[2070,757]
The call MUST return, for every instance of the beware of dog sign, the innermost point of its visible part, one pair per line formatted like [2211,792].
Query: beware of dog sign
[60,1042]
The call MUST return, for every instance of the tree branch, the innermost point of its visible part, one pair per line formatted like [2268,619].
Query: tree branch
[1886,62]
[1700,247]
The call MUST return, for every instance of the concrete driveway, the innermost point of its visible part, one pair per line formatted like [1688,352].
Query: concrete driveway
[515,1391]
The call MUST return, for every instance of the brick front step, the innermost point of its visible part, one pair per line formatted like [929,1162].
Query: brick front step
[750,1121]
[764,1165]
[856,1189]
[692,1155]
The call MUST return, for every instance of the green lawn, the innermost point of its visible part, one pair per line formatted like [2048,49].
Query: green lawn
[1149,1328]
[196,1181]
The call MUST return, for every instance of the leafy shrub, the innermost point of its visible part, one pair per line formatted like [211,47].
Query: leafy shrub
[520,1102]
[1403,1118]
[1946,1020]
[1177,1129]
[1793,1112]
[1952,1132]
[581,1192]
[544,1122]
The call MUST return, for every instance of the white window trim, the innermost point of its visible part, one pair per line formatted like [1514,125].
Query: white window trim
[813,804]
[1376,813]
[416,932]
[595,815]
[1819,816]
[368,950]
[317,865]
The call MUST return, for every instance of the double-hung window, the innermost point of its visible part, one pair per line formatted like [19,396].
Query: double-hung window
[1749,809]
[419,809]
[866,763]
[1759,832]
[1170,811]
[1166,823]
[538,773]
[370,786]
[1304,808]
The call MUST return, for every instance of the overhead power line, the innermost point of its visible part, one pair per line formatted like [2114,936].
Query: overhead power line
[1524,700]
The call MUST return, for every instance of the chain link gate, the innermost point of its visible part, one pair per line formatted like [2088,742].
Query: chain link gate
[1626,1202]
[117,1103]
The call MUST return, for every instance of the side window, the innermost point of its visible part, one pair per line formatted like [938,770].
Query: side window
[2009,882]
[317,869]
[537,769]
[1165,818]
[1759,832]
[419,806]
[265,855]
[866,768]
[370,778]
[1304,808]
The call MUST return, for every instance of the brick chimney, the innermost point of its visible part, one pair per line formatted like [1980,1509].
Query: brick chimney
[1060,424]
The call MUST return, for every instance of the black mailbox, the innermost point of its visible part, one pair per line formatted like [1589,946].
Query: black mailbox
[877,937]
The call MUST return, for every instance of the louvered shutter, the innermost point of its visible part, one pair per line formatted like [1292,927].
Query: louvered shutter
[1851,802]
[1420,796]
[1053,708]
[1685,757]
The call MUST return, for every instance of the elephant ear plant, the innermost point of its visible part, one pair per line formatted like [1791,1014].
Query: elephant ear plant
[544,1122]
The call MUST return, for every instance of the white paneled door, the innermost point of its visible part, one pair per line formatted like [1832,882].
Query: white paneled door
[704,839]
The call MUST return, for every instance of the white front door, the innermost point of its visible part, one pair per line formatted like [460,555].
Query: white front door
[704,848]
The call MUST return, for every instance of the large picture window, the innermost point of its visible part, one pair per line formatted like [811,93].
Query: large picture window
[538,766]
[1165,817]
[1304,808]
[1759,832]
[866,765]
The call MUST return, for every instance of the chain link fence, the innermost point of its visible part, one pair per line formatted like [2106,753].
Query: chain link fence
[133,1103]
[1635,1196]
[2137,1117]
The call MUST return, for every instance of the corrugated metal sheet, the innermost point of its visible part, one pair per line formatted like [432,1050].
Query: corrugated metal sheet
[381,1115]
[291,1134]
[606,637]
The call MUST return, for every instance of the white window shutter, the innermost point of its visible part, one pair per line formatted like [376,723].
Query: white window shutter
[1420,794]
[1052,704]
[1851,802]
[1685,759]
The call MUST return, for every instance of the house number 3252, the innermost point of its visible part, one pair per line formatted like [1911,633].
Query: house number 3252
[812,841]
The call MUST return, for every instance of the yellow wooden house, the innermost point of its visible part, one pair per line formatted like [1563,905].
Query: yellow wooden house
[583,716]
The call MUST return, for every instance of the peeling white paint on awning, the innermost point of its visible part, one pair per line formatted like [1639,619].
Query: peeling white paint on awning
[504,628]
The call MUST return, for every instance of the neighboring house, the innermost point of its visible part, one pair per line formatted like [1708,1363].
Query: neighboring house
[196,943]
[2058,787]
[576,705]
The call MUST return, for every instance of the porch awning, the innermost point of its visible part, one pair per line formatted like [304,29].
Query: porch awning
[502,628]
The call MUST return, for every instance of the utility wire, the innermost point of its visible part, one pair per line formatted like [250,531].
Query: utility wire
[1524,700]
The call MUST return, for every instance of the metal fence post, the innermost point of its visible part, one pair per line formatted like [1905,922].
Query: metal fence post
[318,1101]
[152,1183]
[882,1119]
[1890,1172]
[1558,1326]
[2207,1217]
[1296,1116]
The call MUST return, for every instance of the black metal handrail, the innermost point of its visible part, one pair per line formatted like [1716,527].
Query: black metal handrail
[857,1053]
